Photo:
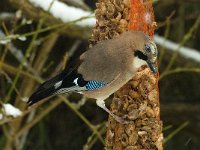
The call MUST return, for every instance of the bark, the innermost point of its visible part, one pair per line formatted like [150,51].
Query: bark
[138,100]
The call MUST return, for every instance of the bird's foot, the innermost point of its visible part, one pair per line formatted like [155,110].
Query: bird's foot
[119,119]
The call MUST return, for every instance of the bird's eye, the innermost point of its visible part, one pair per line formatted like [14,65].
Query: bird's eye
[147,48]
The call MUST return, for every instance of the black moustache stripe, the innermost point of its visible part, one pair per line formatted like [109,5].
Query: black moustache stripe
[140,55]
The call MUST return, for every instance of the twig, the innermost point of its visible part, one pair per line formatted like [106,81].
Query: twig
[179,70]
[16,36]
[187,52]
[171,135]
[186,37]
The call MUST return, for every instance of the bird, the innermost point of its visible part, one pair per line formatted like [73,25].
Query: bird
[103,69]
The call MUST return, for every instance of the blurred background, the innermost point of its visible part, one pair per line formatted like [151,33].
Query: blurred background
[35,45]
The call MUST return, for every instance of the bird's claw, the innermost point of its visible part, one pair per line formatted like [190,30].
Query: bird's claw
[121,120]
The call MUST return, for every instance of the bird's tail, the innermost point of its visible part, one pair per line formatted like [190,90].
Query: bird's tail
[41,94]
[62,83]
[46,89]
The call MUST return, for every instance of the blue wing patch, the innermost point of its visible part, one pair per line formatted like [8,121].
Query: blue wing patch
[93,85]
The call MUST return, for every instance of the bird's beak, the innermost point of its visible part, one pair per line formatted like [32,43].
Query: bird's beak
[152,66]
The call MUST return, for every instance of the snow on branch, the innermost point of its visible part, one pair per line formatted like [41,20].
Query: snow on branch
[10,110]
[14,51]
[64,12]
[184,51]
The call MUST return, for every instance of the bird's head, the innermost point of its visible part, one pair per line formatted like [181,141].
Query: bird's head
[145,50]
[148,54]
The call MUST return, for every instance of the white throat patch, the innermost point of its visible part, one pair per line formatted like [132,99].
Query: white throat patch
[137,63]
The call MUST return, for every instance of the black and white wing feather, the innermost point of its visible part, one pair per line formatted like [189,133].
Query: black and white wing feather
[67,81]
